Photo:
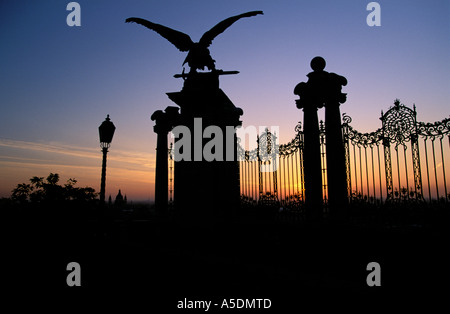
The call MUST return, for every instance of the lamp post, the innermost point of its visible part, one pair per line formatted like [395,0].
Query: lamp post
[106,132]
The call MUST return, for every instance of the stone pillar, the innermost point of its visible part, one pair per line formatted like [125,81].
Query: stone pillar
[312,158]
[324,89]
[336,168]
[164,122]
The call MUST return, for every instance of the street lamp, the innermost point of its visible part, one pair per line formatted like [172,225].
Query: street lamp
[106,132]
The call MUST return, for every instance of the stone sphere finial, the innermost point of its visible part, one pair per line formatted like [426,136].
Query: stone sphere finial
[318,64]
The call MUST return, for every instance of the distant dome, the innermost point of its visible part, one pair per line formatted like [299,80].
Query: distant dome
[119,196]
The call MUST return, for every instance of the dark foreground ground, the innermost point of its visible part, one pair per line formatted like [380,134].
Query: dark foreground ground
[158,262]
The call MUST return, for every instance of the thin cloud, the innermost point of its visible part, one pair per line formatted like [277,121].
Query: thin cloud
[137,158]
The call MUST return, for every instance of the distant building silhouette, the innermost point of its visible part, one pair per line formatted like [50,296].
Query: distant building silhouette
[120,201]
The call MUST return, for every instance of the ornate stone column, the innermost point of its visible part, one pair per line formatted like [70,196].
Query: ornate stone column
[324,89]
[310,102]
[336,168]
[164,123]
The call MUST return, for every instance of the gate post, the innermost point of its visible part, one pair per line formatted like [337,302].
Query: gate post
[324,89]
[310,103]
[335,151]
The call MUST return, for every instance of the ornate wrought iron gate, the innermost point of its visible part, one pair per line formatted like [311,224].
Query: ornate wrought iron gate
[393,163]
[404,160]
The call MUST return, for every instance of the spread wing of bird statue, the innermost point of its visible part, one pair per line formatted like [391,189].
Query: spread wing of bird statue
[198,56]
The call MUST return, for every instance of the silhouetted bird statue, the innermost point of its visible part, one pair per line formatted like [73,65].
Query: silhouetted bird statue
[198,56]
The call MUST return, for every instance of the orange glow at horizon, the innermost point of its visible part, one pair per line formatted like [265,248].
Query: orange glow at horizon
[131,172]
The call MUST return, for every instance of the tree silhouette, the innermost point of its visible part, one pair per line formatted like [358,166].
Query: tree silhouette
[41,190]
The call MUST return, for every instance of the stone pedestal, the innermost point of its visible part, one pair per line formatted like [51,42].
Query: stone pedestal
[205,188]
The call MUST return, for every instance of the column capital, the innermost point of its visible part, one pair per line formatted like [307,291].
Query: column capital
[321,89]
[164,120]
[308,98]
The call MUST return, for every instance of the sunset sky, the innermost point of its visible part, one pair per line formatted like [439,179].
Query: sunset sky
[58,83]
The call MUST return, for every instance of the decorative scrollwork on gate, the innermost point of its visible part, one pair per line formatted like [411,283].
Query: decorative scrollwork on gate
[267,146]
[295,144]
[432,130]
[246,155]
[357,138]
[399,123]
